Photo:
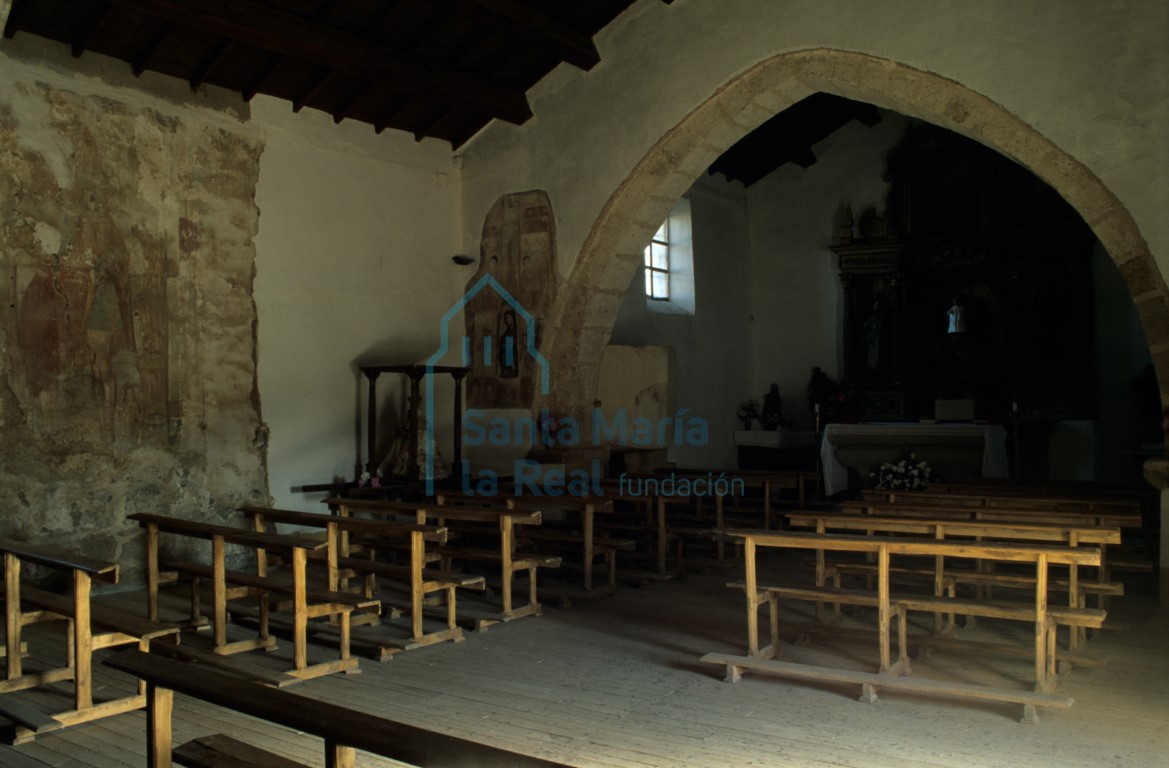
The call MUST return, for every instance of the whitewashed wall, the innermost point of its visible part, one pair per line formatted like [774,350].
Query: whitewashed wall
[795,287]
[353,266]
[713,353]
[1090,76]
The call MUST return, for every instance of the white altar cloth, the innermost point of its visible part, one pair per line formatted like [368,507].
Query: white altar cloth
[924,439]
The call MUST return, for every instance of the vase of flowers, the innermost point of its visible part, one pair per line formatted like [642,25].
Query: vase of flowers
[907,474]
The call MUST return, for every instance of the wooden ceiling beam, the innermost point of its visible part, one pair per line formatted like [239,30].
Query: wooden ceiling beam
[141,60]
[100,13]
[261,76]
[269,29]
[256,84]
[208,63]
[312,90]
[567,43]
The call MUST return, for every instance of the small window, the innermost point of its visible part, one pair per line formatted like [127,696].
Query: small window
[657,264]
[668,267]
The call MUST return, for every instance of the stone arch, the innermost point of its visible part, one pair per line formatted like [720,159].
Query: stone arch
[582,321]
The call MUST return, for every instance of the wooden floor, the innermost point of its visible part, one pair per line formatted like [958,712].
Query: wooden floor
[617,682]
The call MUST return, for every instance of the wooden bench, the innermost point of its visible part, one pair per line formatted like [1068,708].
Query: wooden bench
[766,481]
[648,520]
[91,627]
[228,584]
[591,541]
[594,546]
[342,729]
[892,674]
[340,566]
[1018,500]
[499,522]
[1071,535]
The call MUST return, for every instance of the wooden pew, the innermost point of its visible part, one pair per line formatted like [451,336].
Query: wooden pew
[420,580]
[1071,517]
[764,480]
[501,521]
[342,729]
[590,541]
[91,627]
[1126,507]
[654,528]
[228,584]
[1053,533]
[935,496]
[892,674]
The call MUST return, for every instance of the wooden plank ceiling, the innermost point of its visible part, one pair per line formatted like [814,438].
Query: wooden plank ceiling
[435,68]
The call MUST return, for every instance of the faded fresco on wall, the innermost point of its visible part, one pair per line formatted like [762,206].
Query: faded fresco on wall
[518,248]
[127,374]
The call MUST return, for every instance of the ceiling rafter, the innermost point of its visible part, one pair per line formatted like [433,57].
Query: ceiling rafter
[569,45]
[93,24]
[141,59]
[208,63]
[434,68]
[269,29]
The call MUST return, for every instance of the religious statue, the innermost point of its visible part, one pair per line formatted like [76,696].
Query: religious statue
[956,318]
[772,414]
[820,388]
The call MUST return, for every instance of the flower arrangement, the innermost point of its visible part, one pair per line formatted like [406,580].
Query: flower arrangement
[747,412]
[908,474]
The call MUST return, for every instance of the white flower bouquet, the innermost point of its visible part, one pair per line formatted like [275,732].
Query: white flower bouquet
[908,474]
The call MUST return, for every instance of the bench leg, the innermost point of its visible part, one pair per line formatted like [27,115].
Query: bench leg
[339,756]
[12,613]
[868,693]
[533,593]
[159,706]
[773,617]
[82,642]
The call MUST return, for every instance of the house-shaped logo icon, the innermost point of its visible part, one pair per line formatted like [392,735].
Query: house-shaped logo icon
[500,351]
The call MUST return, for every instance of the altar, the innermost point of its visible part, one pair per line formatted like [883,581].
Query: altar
[954,451]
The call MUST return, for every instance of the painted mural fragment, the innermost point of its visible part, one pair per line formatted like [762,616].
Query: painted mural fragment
[127,369]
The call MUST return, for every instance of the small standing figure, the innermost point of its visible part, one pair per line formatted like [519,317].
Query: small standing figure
[956,318]
[772,415]
[508,353]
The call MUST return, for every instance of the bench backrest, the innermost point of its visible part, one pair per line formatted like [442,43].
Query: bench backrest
[342,725]
[1002,514]
[1020,500]
[381,528]
[897,546]
[254,539]
[961,528]
[434,510]
[60,559]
